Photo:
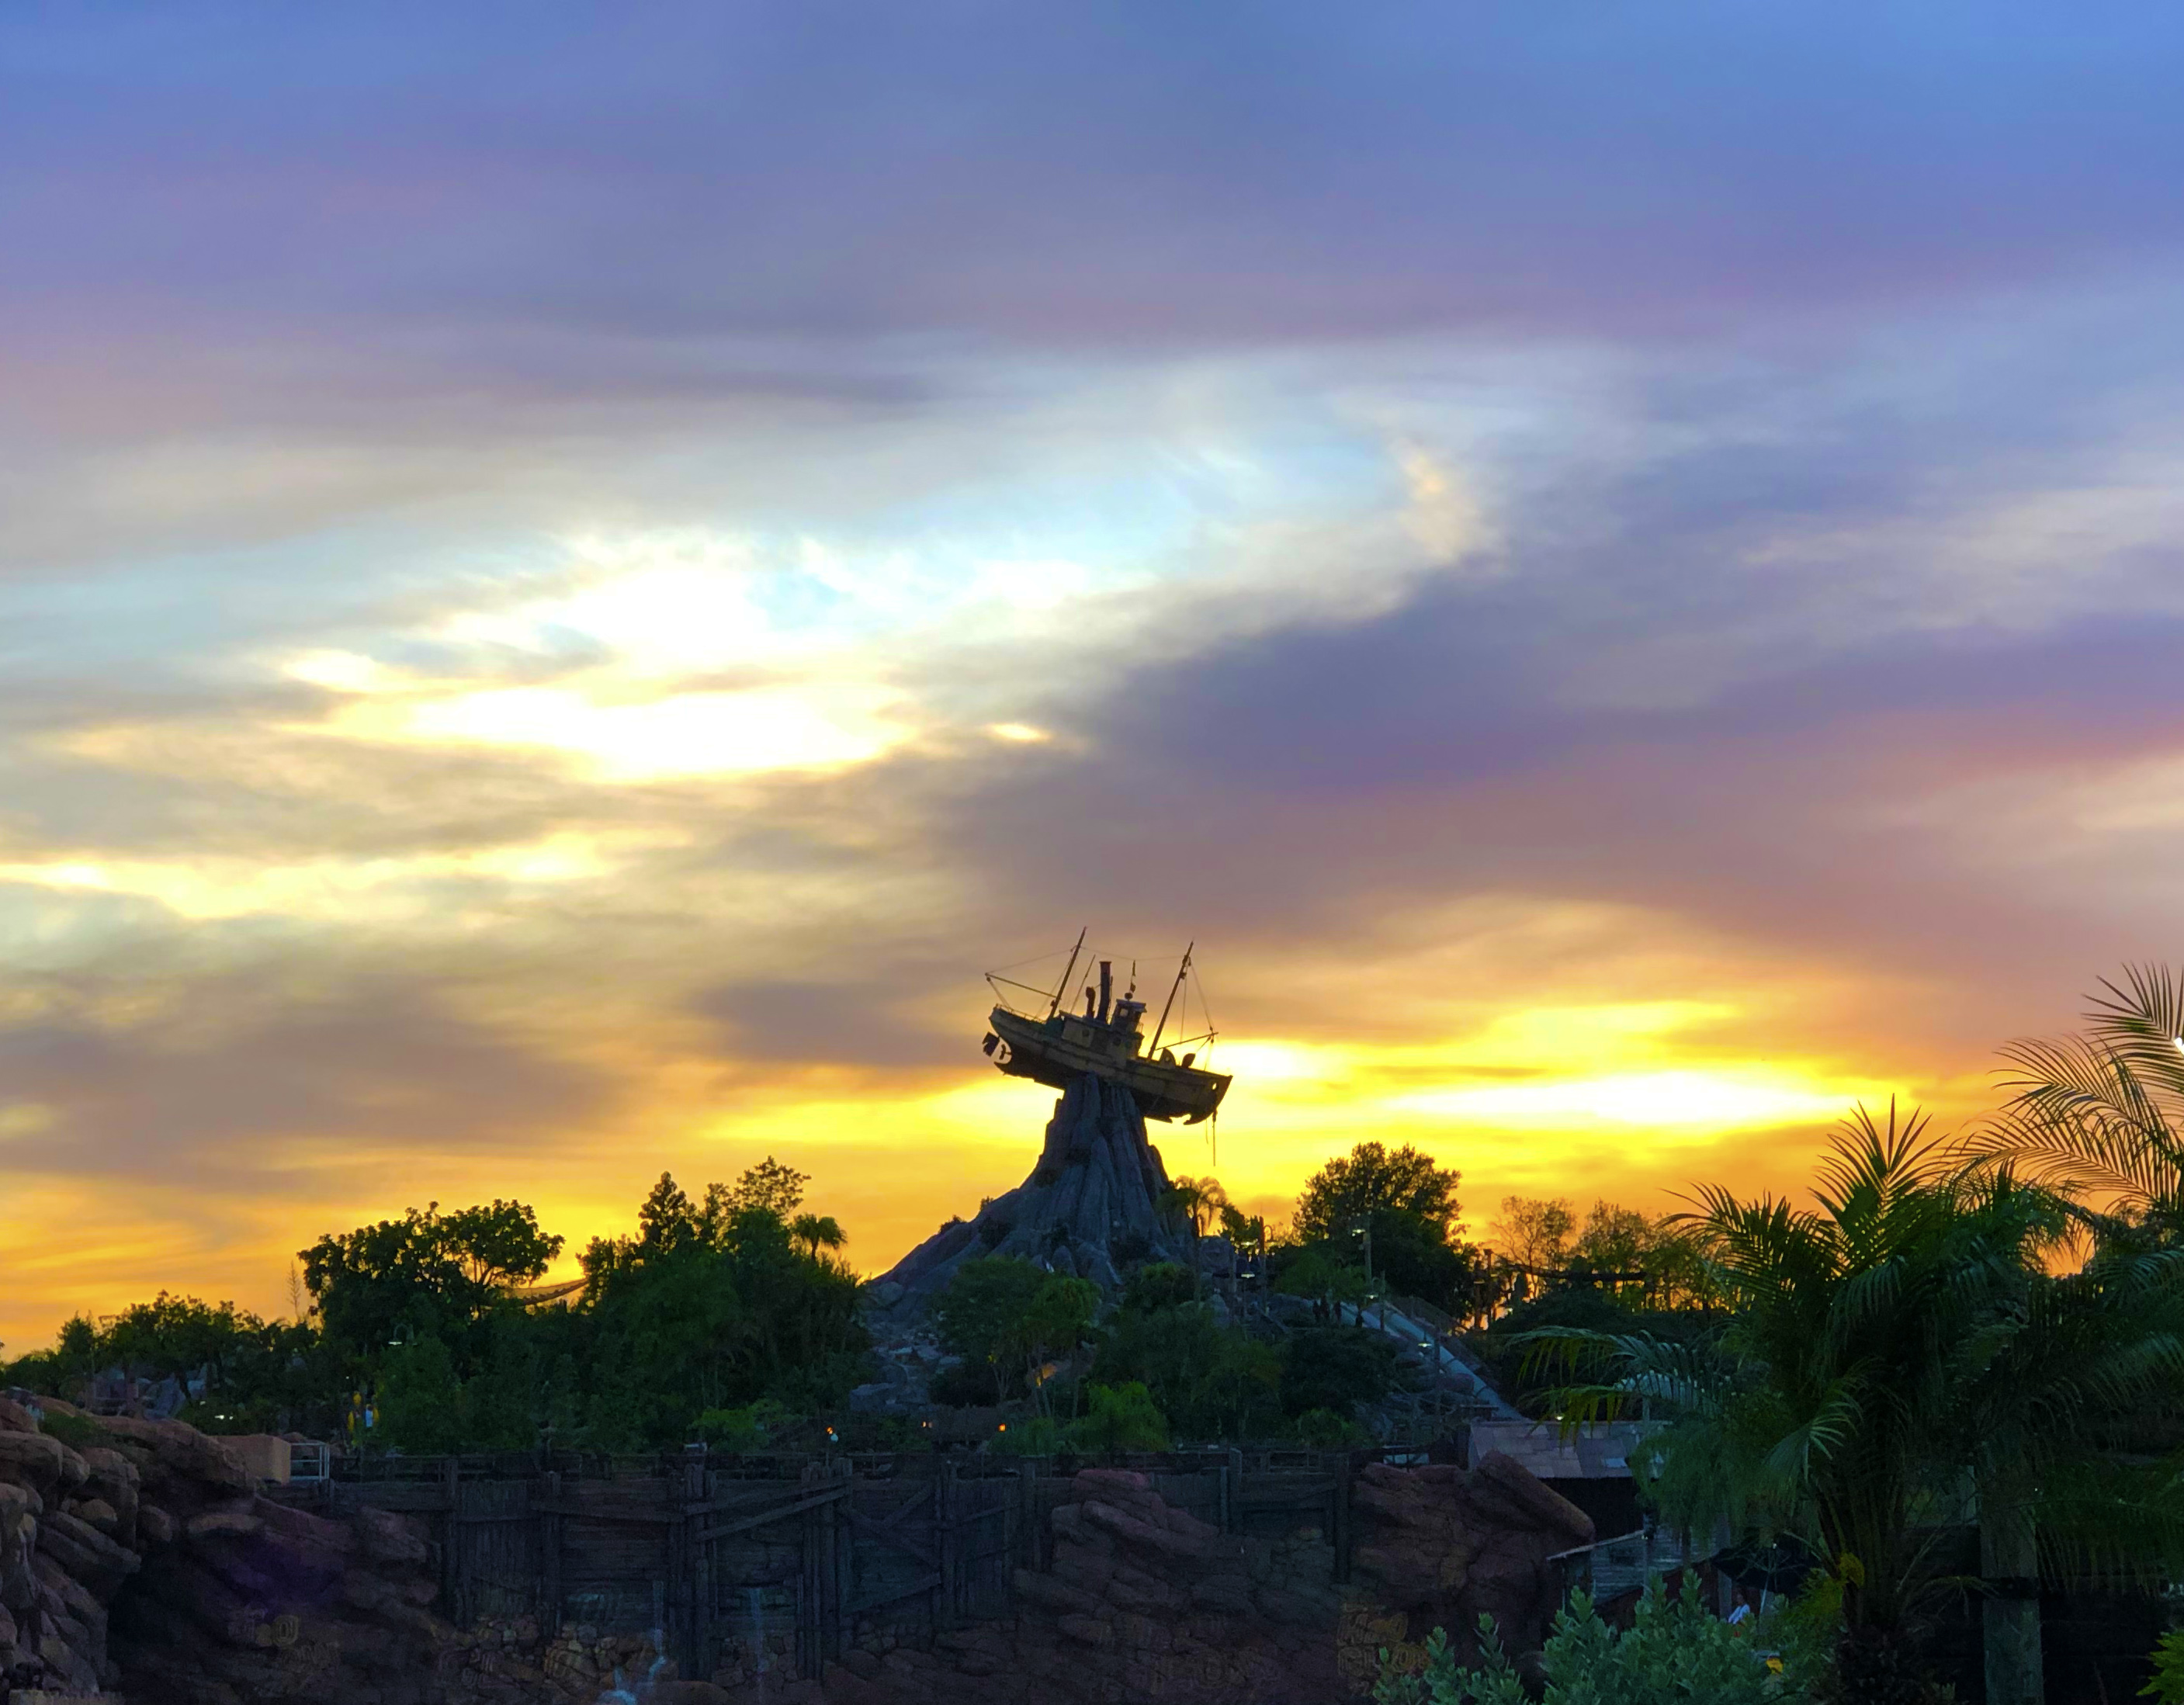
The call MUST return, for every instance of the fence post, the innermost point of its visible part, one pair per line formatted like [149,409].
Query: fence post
[451,1566]
[1340,1527]
[1232,1493]
[1024,1547]
[845,1557]
[549,1545]
[945,1544]
[694,1590]
[810,1608]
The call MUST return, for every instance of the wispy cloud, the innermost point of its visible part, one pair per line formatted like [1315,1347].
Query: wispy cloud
[1620,576]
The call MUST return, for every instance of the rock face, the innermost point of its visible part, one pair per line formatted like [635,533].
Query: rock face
[149,1562]
[1439,1547]
[1091,1207]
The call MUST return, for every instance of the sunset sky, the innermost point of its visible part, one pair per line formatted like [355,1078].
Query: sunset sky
[571,576]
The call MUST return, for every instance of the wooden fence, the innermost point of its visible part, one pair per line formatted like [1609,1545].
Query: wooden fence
[712,1550]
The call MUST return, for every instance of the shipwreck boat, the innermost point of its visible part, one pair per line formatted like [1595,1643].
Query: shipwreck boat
[1058,1046]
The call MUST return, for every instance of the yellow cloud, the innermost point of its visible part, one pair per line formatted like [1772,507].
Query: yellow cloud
[215,888]
[811,726]
[1664,1104]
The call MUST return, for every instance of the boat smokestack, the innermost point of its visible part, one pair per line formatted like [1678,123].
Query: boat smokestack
[1106,986]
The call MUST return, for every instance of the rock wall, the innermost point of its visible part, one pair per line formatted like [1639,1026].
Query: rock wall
[149,1562]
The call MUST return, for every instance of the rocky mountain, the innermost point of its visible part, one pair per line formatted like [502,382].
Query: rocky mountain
[1093,1205]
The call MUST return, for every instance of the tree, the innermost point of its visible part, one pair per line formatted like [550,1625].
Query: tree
[769,1187]
[1372,1179]
[1245,1235]
[814,1232]
[1535,1233]
[1054,1323]
[1408,1205]
[1199,1200]
[1317,1273]
[713,1304]
[1211,1380]
[1890,1342]
[1336,1368]
[176,1336]
[419,1407]
[425,1274]
[980,1316]
[2102,1114]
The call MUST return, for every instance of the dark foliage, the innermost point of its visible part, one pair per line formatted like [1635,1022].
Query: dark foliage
[711,1306]
[1336,1369]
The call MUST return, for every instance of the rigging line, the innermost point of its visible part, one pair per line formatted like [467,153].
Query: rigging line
[995,977]
[1015,965]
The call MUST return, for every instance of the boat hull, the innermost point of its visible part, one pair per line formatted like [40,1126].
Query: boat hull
[1058,1051]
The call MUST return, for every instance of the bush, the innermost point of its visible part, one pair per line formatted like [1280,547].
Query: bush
[1122,1418]
[1336,1367]
[1037,1435]
[1673,1654]
[753,1427]
[2167,1686]
[77,1432]
[1163,1284]
[1322,1429]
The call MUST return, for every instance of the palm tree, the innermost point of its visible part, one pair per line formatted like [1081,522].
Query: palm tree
[1892,1348]
[2102,1114]
[1199,1200]
[815,1232]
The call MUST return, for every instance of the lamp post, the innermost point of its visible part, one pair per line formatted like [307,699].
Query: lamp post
[1362,1228]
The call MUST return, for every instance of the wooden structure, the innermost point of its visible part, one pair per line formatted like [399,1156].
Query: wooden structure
[717,1552]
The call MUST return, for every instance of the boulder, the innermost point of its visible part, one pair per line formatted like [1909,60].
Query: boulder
[98,1513]
[388,1538]
[85,1552]
[184,1452]
[33,1459]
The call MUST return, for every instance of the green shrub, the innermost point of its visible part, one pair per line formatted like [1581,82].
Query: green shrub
[753,1427]
[1336,1367]
[2167,1686]
[1322,1429]
[1037,1435]
[1122,1418]
[77,1432]
[1674,1653]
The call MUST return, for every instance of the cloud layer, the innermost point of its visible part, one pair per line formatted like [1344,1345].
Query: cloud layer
[568,585]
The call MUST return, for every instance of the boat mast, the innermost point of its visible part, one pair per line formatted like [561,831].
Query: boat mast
[1054,1006]
[1182,970]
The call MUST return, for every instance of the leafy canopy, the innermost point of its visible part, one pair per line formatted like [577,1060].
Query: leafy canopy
[1373,1179]
[423,1274]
